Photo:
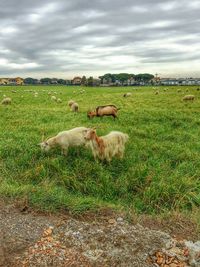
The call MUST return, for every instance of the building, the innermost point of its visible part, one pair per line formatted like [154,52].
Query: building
[180,81]
[11,81]
[76,81]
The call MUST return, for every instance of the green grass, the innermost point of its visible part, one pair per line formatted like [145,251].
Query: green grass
[160,171]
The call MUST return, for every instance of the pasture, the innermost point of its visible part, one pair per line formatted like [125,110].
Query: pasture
[161,168]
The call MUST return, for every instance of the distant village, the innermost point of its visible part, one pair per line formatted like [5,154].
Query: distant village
[122,79]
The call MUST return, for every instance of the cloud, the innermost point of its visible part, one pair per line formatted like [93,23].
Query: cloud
[67,38]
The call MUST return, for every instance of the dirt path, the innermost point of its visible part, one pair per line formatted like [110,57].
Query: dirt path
[32,239]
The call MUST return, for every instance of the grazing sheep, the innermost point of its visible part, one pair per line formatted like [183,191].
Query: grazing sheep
[36,95]
[6,101]
[49,93]
[75,107]
[188,97]
[66,139]
[13,91]
[53,98]
[59,100]
[187,90]
[108,146]
[179,91]
[157,92]
[165,90]
[101,111]
[70,102]
[127,94]
[198,89]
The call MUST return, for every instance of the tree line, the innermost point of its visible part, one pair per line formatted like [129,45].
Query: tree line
[108,78]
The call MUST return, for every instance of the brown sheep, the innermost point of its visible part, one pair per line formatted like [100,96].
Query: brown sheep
[101,111]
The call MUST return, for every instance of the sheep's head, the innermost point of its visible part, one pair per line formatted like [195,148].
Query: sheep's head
[91,114]
[45,146]
[90,134]
[70,103]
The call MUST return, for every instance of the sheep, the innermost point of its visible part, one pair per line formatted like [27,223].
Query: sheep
[59,100]
[70,102]
[66,139]
[13,91]
[198,89]
[127,94]
[108,110]
[53,98]
[108,146]
[6,101]
[36,94]
[188,97]
[157,92]
[75,107]
[179,91]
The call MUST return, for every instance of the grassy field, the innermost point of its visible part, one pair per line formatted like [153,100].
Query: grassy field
[160,171]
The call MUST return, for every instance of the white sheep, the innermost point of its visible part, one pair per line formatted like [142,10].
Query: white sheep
[70,102]
[59,100]
[188,97]
[66,139]
[179,91]
[127,94]
[75,107]
[108,146]
[6,101]
[53,98]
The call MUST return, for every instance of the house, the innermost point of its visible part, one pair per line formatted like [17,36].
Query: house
[76,81]
[131,81]
[169,81]
[4,81]
[180,81]
[11,81]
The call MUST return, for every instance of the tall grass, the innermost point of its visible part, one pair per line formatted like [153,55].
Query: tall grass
[160,171]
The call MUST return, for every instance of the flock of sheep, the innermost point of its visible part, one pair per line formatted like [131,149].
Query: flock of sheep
[184,98]
[104,147]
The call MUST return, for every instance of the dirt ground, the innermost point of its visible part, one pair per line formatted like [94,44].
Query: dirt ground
[29,238]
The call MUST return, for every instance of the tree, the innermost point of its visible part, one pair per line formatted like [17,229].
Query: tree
[45,80]
[146,77]
[84,80]
[30,80]
[90,81]
[61,81]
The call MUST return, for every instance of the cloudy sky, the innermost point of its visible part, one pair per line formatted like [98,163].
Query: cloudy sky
[63,38]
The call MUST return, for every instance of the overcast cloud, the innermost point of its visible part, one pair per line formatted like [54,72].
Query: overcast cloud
[63,38]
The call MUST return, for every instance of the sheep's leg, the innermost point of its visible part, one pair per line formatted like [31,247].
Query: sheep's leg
[114,116]
[64,151]
[121,154]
